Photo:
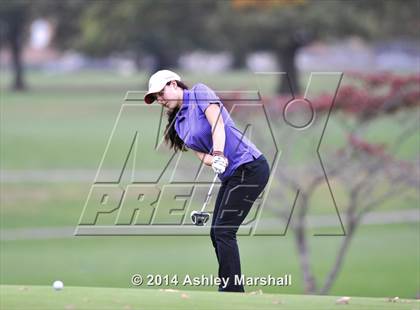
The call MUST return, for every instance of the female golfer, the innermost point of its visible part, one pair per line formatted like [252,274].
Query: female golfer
[198,121]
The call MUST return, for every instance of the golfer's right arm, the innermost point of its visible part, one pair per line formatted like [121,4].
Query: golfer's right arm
[207,159]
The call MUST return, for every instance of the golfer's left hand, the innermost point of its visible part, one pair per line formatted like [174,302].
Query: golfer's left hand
[219,164]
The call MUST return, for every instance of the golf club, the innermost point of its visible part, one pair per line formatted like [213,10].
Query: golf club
[200,218]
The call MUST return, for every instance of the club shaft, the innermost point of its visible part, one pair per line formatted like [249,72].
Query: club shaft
[209,194]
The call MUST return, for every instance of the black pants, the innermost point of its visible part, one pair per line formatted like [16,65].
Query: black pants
[236,197]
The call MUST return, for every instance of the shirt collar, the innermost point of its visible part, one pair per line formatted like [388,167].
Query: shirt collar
[185,99]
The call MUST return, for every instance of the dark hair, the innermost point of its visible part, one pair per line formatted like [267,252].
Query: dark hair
[171,136]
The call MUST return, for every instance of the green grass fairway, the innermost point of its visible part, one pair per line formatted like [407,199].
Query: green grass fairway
[378,263]
[44,297]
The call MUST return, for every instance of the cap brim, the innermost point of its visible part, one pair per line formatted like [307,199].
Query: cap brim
[149,98]
[150,95]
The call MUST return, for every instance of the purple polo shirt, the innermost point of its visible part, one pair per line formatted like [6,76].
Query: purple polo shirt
[194,129]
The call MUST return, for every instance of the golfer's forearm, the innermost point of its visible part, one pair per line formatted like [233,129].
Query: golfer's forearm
[214,116]
[207,159]
[219,137]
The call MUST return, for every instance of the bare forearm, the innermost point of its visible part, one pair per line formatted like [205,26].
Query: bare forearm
[207,159]
[219,137]
[214,116]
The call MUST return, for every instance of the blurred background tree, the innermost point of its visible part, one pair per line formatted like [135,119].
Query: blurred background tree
[15,17]
[13,20]
[141,28]
[284,26]
[144,28]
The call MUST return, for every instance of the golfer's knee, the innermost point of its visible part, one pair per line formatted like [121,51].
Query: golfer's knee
[223,234]
[213,237]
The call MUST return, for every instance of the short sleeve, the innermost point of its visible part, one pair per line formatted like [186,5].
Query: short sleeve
[205,96]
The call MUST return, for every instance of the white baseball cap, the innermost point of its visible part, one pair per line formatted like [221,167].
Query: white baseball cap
[157,82]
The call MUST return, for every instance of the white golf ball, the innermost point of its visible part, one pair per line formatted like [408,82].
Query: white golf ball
[58,285]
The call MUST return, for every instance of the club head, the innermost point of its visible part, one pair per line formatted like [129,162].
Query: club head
[199,218]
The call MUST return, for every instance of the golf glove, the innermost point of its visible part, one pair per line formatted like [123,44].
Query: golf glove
[219,164]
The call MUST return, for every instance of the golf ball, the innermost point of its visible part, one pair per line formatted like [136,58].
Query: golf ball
[58,285]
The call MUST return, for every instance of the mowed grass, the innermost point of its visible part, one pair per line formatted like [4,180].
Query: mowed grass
[88,298]
[57,204]
[381,261]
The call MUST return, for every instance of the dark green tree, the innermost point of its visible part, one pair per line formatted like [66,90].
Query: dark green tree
[165,29]
[284,26]
[13,20]
[15,17]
